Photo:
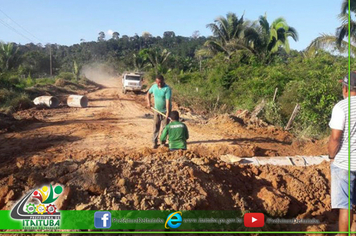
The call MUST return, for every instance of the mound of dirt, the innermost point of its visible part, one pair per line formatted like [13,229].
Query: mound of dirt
[68,84]
[181,180]
[248,140]
[226,119]
[8,123]
[244,124]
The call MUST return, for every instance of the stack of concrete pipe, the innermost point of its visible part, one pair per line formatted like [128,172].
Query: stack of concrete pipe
[53,102]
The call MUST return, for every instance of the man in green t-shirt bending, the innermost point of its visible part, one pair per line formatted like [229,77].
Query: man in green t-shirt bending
[177,133]
[162,99]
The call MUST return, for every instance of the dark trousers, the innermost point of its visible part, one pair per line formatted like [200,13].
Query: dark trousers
[158,122]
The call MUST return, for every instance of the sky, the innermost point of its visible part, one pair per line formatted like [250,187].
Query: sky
[66,22]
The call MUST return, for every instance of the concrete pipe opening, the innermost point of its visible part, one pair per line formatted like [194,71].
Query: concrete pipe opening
[77,101]
[48,101]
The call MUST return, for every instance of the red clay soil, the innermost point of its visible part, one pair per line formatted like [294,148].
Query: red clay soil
[102,155]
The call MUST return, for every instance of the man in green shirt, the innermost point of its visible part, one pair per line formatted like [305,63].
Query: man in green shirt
[177,133]
[162,94]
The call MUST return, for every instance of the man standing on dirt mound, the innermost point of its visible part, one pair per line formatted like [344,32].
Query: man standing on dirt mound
[339,152]
[162,94]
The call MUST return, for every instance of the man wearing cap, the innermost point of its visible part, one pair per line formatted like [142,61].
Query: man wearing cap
[338,148]
[162,99]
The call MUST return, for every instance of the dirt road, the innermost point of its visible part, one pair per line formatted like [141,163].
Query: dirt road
[102,155]
[115,122]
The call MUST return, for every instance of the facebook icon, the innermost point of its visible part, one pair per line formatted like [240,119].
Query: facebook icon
[102,219]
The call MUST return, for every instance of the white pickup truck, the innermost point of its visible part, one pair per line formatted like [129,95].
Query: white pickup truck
[132,82]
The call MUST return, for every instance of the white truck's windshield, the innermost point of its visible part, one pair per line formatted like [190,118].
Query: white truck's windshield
[136,78]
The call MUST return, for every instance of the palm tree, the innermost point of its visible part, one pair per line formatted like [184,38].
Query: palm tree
[329,41]
[156,57]
[279,33]
[337,41]
[266,39]
[8,56]
[139,60]
[76,70]
[228,35]
[259,38]
[342,31]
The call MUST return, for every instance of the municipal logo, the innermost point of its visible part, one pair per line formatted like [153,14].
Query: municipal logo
[102,219]
[174,220]
[40,212]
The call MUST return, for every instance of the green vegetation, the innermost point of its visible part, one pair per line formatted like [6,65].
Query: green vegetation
[231,85]
[233,35]
[242,63]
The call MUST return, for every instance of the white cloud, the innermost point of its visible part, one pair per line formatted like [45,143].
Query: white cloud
[109,32]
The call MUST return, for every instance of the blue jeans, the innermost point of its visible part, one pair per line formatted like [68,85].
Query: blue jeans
[339,187]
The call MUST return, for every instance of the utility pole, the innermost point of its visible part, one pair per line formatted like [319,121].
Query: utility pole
[50,60]
[200,63]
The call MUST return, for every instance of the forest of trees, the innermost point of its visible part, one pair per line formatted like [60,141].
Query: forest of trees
[124,53]
[242,63]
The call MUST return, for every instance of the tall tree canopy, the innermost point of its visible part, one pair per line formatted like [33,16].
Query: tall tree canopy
[337,41]
[233,34]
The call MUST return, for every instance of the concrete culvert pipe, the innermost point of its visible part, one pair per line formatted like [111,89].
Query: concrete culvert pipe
[48,101]
[77,101]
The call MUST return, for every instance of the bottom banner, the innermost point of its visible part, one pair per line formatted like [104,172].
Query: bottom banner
[126,220]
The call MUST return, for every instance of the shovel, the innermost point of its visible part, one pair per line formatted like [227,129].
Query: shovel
[161,113]
[180,119]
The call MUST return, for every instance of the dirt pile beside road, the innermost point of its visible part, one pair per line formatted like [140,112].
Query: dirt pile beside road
[241,139]
[182,180]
